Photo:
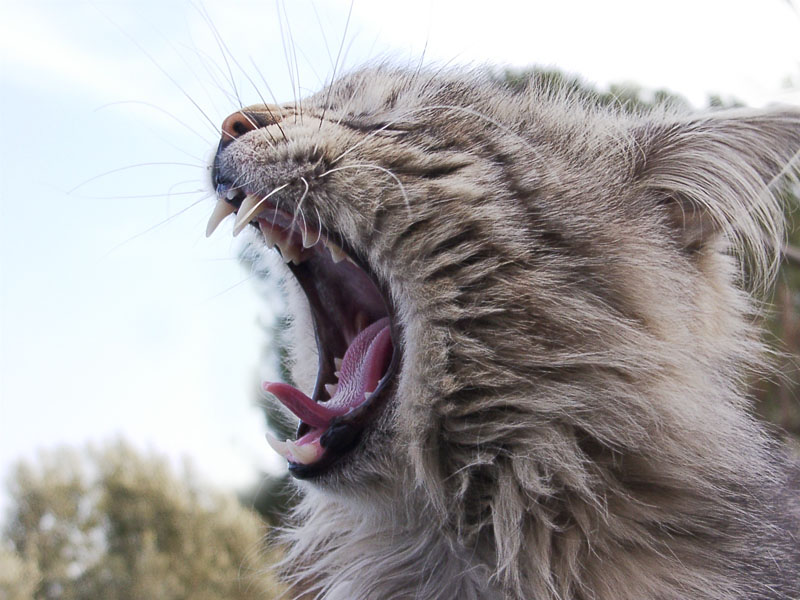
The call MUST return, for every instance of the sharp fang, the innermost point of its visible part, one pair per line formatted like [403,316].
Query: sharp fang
[331,388]
[280,447]
[304,454]
[337,254]
[232,193]
[245,214]
[221,210]
[337,362]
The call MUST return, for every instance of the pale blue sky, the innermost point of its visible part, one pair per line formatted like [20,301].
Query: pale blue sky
[118,316]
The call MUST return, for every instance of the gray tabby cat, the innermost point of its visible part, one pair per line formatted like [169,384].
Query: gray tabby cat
[523,338]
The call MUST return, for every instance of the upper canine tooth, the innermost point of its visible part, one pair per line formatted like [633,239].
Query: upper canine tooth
[337,254]
[221,210]
[245,214]
[231,194]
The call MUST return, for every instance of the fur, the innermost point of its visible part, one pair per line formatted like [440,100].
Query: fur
[570,421]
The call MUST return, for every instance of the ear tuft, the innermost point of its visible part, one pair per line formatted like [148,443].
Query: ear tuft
[717,177]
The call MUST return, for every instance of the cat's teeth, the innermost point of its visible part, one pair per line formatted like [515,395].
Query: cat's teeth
[337,362]
[307,237]
[232,193]
[362,321]
[270,237]
[289,252]
[280,447]
[221,210]
[337,254]
[304,454]
[331,388]
[245,214]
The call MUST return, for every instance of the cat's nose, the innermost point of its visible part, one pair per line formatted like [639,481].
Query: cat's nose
[248,119]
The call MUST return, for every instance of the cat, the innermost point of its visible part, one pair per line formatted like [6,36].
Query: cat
[523,324]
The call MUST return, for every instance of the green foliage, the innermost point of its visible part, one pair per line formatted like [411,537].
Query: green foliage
[115,524]
[628,96]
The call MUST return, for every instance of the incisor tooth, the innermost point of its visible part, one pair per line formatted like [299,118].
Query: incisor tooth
[221,210]
[303,454]
[245,214]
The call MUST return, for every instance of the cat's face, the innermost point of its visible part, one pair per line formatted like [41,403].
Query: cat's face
[480,275]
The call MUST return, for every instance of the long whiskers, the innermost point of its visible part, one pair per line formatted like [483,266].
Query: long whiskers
[378,168]
[254,210]
[336,66]
[463,109]
[127,168]
[164,72]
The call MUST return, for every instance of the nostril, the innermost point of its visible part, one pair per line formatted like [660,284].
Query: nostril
[236,125]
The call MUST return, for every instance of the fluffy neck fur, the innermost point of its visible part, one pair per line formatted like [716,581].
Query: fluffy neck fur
[681,506]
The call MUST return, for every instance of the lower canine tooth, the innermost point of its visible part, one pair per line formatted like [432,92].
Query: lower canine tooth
[280,447]
[303,454]
[337,362]
[331,388]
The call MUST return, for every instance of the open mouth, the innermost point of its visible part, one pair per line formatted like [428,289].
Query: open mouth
[353,325]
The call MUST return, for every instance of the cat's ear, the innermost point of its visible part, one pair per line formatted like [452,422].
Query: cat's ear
[716,174]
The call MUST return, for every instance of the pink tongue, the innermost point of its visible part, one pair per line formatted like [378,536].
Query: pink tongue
[363,365]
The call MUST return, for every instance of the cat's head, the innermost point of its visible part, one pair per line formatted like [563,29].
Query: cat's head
[515,283]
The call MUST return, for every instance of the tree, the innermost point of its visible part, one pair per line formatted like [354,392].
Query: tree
[112,523]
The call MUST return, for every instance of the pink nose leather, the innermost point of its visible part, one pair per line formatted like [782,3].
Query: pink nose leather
[248,119]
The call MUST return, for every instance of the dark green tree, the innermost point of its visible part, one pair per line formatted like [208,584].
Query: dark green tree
[116,524]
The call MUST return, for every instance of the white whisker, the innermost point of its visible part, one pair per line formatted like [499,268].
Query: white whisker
[254,210]
[379,168]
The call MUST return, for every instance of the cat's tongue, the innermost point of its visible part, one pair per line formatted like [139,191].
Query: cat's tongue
[363,365]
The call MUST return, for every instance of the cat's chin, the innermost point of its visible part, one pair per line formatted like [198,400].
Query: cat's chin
[355,329]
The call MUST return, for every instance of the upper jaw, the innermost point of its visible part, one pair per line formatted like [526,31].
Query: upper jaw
[354,322]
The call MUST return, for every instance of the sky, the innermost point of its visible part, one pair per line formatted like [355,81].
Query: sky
[117,316]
